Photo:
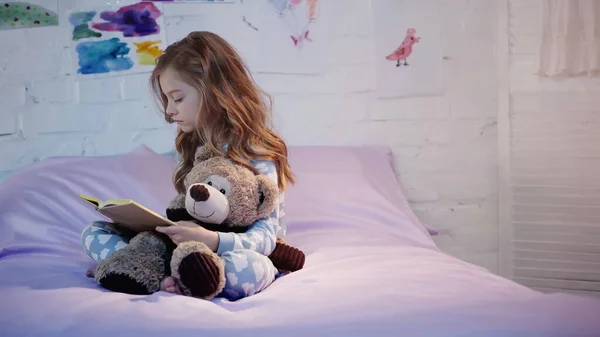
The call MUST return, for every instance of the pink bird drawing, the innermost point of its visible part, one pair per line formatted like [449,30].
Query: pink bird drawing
[405,49]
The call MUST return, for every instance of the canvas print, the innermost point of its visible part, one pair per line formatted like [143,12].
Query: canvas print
[292,36]
[33,13]
[408,51]
[117,41]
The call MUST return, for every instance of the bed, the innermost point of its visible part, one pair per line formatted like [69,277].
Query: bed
[372,268]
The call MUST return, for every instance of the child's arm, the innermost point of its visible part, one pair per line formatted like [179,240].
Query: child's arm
[261,236]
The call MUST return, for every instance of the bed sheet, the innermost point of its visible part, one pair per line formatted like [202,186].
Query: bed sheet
[372,269]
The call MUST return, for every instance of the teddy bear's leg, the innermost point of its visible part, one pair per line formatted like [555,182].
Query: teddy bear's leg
[287,258]
[137,268]
[198,270]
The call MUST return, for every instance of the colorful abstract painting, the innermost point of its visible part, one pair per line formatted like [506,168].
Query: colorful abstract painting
[19,14]
[117,41]
[292,36]
[408,50]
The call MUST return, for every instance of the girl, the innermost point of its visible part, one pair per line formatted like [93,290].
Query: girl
[203,85]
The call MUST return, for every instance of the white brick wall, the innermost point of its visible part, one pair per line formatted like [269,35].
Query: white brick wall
[445,146]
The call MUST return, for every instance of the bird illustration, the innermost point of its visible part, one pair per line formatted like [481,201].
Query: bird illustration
[405,49]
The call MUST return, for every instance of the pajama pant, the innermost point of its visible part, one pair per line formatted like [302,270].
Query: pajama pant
[246,271]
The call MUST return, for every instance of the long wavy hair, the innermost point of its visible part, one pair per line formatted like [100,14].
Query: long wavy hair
[234,109]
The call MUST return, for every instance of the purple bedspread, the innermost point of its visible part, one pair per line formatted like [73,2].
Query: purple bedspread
[372,269]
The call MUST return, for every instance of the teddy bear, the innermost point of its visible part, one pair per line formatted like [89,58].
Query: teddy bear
[221,195]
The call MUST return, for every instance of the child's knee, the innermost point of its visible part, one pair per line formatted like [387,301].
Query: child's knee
[99,241]
[239,258]
[96,226]
[245,261]
[91,230]
[246,272]
[87,232]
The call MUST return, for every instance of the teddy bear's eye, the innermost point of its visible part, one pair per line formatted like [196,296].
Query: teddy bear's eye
[209,183]
[222,191]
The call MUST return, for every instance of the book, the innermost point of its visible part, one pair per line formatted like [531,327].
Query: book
[128,213]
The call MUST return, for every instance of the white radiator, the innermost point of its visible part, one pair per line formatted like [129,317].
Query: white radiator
[555,178]
[549,164]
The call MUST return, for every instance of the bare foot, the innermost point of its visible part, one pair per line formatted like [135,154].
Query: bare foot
[90,272]
[169,285]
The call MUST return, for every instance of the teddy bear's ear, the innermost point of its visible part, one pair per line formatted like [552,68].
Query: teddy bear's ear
[178,201]
[268,195]
[203,153]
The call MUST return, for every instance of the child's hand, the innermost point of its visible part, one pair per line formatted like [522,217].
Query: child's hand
[186,223]
[182,233]
[189,231]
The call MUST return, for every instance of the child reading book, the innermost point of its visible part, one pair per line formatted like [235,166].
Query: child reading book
[204,86]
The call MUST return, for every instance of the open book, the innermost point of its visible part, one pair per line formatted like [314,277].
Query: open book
[128,213]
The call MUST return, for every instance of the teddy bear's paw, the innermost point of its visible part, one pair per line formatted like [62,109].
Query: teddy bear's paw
[199,271]
[137,268]
[179,214]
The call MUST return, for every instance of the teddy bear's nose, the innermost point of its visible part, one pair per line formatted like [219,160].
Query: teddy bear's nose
[199,193]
